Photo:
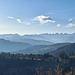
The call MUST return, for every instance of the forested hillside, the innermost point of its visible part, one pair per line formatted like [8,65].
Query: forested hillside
[19,64]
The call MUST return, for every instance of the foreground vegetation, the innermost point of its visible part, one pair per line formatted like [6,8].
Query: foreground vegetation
[28,64]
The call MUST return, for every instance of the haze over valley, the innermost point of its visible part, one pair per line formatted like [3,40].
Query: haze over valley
[34,44]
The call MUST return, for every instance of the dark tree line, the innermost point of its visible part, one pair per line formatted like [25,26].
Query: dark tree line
[29,64]
[24,56]
[65,66]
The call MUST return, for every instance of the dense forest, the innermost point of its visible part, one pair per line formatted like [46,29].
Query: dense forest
[29,64]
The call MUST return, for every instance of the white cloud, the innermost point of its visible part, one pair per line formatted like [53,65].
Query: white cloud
[71,25]
[22,22]
[58,25]
[10,17]
[70,20]
[19,20]
[44,19]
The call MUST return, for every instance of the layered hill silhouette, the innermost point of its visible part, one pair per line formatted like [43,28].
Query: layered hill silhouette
[54,38]
[66,49]
[41,49]
[37,43]
[8,46]
[40,40]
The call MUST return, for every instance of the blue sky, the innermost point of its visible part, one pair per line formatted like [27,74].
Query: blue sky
[37,16]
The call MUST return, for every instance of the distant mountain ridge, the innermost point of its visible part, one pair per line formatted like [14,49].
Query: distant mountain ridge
[32,41]
[25,39]
[41,49]
[55,38]
[8,46]
[66,49]
[37,43]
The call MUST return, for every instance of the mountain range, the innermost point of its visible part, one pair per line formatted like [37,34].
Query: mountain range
[8,46]
[41,49]
[52,38]
[35,44]
[66,49]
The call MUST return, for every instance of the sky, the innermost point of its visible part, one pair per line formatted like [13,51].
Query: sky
[37,16]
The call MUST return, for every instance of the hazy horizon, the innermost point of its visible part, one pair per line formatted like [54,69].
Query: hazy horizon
[32,33]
